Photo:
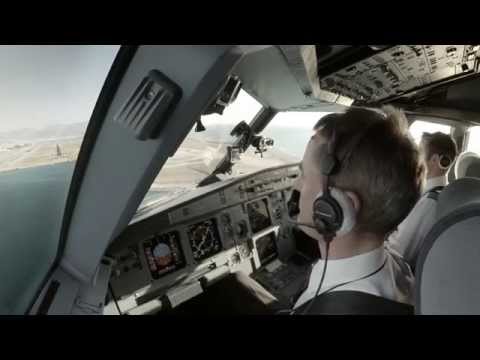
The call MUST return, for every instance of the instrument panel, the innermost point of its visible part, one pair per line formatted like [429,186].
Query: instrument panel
[164,254]
[258,215]
[204,239]
[225,228]
[266,248]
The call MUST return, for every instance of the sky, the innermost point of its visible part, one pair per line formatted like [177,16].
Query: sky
[41,85]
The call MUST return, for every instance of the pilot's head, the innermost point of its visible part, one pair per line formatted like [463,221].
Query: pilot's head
[439,151]
[325,120]
[381,175]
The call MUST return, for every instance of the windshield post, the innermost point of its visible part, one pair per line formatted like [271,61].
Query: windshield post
[262,119]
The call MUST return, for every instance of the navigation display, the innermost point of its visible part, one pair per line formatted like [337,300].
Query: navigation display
[164,254]
[204,239]
[258,215]
[266,248]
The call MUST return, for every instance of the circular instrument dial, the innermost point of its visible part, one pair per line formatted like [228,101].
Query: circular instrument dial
[162,254]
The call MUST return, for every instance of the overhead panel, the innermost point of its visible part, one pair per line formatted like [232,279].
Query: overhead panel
[400,69]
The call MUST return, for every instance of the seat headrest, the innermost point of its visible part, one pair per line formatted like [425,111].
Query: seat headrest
[467,164]
[448,266]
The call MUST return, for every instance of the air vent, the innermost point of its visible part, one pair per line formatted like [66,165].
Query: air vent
[150,105]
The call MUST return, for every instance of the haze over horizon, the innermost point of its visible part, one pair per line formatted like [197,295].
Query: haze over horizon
[42,85]
[48,132]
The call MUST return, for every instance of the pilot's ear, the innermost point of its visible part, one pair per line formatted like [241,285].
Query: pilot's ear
[355,199]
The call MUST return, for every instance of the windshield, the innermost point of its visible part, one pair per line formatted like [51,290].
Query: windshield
[473,140]
[47,95]
[201,152]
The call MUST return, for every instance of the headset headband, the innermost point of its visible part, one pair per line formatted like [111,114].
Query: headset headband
[331,163]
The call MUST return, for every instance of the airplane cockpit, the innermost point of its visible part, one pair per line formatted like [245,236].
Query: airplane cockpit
[185,171]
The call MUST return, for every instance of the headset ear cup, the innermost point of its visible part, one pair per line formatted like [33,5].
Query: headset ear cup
[333,213]
[444,162]
[348,210]
[325,214]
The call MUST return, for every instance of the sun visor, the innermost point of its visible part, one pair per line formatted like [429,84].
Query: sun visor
[302,61]
[280,78]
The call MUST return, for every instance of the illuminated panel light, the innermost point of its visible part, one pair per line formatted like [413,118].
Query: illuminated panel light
[344,100]
[325,95]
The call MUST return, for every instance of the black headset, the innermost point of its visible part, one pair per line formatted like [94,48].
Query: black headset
[327,212]
[445,161]
[333,212]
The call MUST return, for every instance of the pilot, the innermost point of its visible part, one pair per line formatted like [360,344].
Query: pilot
[378,180]
[439,152]
[378,177]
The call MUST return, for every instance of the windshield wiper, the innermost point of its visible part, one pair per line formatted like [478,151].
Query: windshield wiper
[246,135]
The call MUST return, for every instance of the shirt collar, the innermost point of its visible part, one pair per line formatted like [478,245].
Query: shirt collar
[347,269]
[434,182]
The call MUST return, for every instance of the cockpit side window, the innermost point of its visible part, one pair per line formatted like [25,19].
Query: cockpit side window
[473,143]
[420,126]
[47,95]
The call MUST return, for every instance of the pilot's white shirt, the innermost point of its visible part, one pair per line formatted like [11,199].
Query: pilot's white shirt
[408,238]
[394,281]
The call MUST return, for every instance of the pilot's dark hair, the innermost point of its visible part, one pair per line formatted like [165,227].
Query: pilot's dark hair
[325,120]
[384,169]
[441,144]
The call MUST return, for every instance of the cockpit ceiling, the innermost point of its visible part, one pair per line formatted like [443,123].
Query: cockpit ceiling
[401,69]
[267,76]
[358,75]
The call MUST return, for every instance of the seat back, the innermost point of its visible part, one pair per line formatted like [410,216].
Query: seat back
[467,165]
[448,267]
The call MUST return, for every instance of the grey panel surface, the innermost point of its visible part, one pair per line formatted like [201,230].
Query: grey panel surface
[121,168]
[90,299]
[465,95]
[463,162]
[267,77]
[63,301]
[461,193]
[449,282]
[447,266]
[457,116]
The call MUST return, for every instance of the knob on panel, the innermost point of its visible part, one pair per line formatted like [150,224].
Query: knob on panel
[241,229]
